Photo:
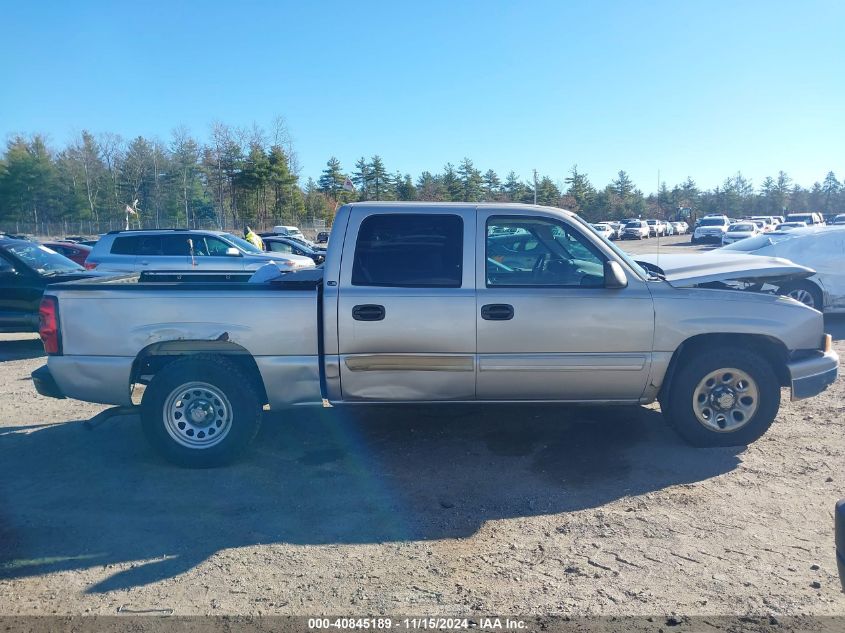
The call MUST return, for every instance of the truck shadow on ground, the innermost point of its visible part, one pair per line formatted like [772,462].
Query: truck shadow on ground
[74,498]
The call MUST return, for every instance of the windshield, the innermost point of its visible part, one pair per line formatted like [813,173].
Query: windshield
[741,227]
[242,243]
[42,260]
[633,224]
[712,222]
[622,254]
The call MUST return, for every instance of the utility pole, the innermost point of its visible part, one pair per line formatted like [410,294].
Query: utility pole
[535,186]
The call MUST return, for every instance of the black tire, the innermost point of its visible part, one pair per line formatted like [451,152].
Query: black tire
[802,289]
[241,422]
[679,408]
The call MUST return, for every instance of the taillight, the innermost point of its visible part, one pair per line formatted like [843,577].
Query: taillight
[89,265]
[48,326]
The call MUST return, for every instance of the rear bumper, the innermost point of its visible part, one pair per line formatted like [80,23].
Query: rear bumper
[45,384]
[811,376]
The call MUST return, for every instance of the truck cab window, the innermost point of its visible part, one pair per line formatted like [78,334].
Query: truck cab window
[530,251]
[409,251]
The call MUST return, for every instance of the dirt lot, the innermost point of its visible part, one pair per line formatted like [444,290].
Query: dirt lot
[431,510]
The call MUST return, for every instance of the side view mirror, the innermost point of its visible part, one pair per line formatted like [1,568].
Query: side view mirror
[232,252]
[614,276]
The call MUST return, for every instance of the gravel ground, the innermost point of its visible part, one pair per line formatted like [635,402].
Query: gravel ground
[428,510]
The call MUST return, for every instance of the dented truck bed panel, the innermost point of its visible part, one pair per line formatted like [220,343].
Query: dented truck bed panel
[118,322]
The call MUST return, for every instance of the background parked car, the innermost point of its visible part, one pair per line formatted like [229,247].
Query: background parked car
[25,270]
[821,248]
[603,229]
[769,223]
[655,228]
[181,249]
[288,246]
[322,237]
[74,251]
[710,229]
[287,231]
[788,226]
[740,231]
[839,219]
[636,230]
[809,218]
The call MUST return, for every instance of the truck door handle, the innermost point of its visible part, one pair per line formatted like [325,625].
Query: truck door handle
[497,312]
[368,312]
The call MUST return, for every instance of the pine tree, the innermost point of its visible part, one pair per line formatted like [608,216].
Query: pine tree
[580,189]
[471,181]
[513,188]
[362,178]
[332,179]
[492,186]
[379,179]
[452,186]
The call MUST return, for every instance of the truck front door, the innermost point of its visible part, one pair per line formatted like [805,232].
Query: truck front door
[548,328]
[406,305]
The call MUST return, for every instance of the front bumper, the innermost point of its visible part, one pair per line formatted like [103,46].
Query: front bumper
[45,384]
[717,238]
[811,376]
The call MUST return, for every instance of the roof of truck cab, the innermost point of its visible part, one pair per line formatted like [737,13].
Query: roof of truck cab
[436,206]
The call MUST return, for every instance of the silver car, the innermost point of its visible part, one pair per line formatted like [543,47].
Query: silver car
[182,249]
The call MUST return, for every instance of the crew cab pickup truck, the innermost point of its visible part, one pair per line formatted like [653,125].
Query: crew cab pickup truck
[426,302]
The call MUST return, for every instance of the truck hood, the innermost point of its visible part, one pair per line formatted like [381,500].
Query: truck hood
[685,270]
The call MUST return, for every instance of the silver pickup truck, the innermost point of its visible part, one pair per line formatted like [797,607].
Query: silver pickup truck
[421,302]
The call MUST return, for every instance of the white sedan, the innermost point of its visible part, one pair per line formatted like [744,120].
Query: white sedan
[605,230]
[739,231]
[821,248]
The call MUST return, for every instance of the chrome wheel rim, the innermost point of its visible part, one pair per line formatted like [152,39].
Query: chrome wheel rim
[804,296]
[725,400]
[197,415]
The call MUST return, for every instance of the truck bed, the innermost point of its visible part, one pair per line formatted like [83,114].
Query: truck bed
[106,324]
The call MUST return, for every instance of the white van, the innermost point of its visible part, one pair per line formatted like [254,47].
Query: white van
[291,231]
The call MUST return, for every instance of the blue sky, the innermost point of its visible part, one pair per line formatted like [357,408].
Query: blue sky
[690,88]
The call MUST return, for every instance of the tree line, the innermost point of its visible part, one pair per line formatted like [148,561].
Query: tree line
[252,176]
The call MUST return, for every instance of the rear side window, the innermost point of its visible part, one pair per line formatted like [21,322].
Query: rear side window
[175,245]
[126,245]
[409,251]
[149,245]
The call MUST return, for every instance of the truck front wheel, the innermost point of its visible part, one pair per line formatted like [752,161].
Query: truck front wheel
[200,411]
[723,397]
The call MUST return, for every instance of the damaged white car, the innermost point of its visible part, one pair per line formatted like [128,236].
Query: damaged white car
[821,248]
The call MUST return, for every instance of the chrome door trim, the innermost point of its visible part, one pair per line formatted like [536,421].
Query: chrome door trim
[409,362]
[562,362]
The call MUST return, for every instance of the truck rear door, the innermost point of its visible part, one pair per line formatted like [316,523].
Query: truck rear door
[406,305]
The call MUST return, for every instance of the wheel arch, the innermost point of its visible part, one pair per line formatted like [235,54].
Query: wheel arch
[154,357]
[770,348]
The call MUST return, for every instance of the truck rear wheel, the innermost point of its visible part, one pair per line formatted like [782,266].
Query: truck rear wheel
[723,397]
[200,411]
